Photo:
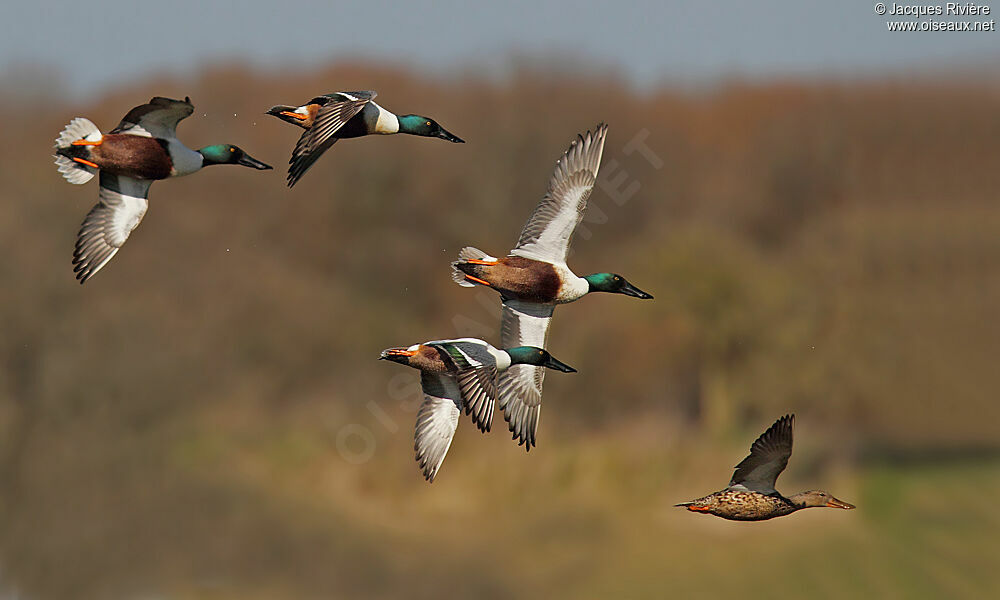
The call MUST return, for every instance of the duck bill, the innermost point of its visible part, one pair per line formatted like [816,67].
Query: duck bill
[248,161]
[557,365]
[631,290]
[398,355]
[446,135]
[834,503]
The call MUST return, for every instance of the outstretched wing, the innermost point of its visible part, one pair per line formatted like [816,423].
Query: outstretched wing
[437,420]
[520,386]
[106,227]
[479,393]
[548,232]
[768,458]
[158,118]
[337,110]
[476,373]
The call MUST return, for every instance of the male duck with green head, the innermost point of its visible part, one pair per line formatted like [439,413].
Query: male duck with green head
[340,115]
[534,278]
[455,375]
[142,149]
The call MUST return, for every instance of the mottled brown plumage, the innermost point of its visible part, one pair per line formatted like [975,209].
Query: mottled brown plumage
[751,495]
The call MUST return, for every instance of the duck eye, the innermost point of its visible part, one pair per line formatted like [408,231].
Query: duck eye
[428,123]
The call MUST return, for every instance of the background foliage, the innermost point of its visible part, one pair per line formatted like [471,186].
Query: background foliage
[176,427]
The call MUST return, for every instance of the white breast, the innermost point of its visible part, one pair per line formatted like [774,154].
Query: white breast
[380,120]
[502,358]
[573,287]
[185,160]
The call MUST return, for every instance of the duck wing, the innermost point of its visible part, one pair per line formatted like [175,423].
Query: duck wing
[122,205]
[437,420]
[476,373]
[768,458]
[334,112]
[157,118]
[547,234]
[520,386]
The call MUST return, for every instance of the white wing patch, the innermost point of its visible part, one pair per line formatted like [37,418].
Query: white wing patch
[547,234]
[107,226]
[437,421]
[520,386]
[157,118]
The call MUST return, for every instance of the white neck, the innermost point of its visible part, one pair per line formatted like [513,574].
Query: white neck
[573,287]
[185,160]
[381,120]
[502,358]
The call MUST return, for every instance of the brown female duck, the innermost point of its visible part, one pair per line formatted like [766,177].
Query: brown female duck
[751,495]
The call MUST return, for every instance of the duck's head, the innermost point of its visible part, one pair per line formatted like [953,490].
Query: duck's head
[616,284]
[427,127]
[814,498]
[227,154]
[530,355]
[399,355]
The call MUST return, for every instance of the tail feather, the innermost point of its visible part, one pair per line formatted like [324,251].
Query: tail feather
[467,253]
[78,129]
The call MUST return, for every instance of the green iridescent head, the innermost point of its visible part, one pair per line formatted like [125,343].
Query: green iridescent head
[227,154]
[615,284]
[530,355]
[427,127]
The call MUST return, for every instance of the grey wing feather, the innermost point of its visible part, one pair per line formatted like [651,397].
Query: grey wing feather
[157,118]
[107,226]
[437,420]
[475,370]
[547,234]
[479,392]
[520,386]
[316,140]
[768,458]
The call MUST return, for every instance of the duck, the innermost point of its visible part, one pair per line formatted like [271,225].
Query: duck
[534,278]
[143,148]
[342,115]
[456,375]
[750,495]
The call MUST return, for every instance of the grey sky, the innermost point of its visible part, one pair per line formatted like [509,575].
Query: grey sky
[103,42]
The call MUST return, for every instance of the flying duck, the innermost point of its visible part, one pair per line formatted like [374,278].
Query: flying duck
[455,375]
[534,277]
[341,115]
[751,495]
[142,149]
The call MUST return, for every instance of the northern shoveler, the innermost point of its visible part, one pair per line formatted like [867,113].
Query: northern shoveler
[751,495]
[457,374]
[340,115]
[534,277]
[142,149]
